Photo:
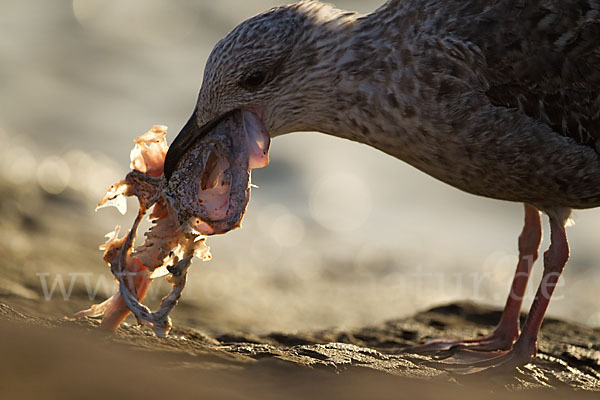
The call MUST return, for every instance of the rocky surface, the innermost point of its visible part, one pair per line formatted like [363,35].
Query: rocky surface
[53,357]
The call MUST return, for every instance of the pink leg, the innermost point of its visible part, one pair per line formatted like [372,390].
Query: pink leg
[525,348]
[555,259]
[507,330]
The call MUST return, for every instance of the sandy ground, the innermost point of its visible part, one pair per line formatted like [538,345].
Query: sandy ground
[59,358]
[82,78]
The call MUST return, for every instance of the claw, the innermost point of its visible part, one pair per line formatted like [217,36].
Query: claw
[463,361]
[495,341]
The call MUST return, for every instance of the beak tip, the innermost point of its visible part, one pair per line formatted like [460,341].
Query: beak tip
[188,135]
[170,163]
[181,143]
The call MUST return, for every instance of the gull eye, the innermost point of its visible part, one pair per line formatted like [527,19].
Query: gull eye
[254,80]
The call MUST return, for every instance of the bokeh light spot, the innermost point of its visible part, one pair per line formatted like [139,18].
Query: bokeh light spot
[19,165]
[287,230]
[341,202]
[53,175]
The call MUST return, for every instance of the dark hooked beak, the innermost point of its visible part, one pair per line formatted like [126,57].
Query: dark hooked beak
[188,135]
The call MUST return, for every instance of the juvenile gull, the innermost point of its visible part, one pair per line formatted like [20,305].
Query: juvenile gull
[496,98]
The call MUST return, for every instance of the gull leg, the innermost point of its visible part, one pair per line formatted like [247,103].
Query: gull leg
[507,330]
[525,348]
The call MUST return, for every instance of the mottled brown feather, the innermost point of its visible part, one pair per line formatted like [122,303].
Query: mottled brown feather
[499,98]
[543,58]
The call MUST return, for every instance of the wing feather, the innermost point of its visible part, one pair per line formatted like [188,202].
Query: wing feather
[543,58]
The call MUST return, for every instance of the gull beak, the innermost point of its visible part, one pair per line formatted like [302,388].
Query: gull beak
[186,137]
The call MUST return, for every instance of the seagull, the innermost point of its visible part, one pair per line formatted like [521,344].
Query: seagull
[498,98]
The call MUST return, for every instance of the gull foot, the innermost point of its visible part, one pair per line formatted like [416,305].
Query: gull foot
[466,361]
[492,343]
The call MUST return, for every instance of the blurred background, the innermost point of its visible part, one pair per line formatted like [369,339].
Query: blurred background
[337,234]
